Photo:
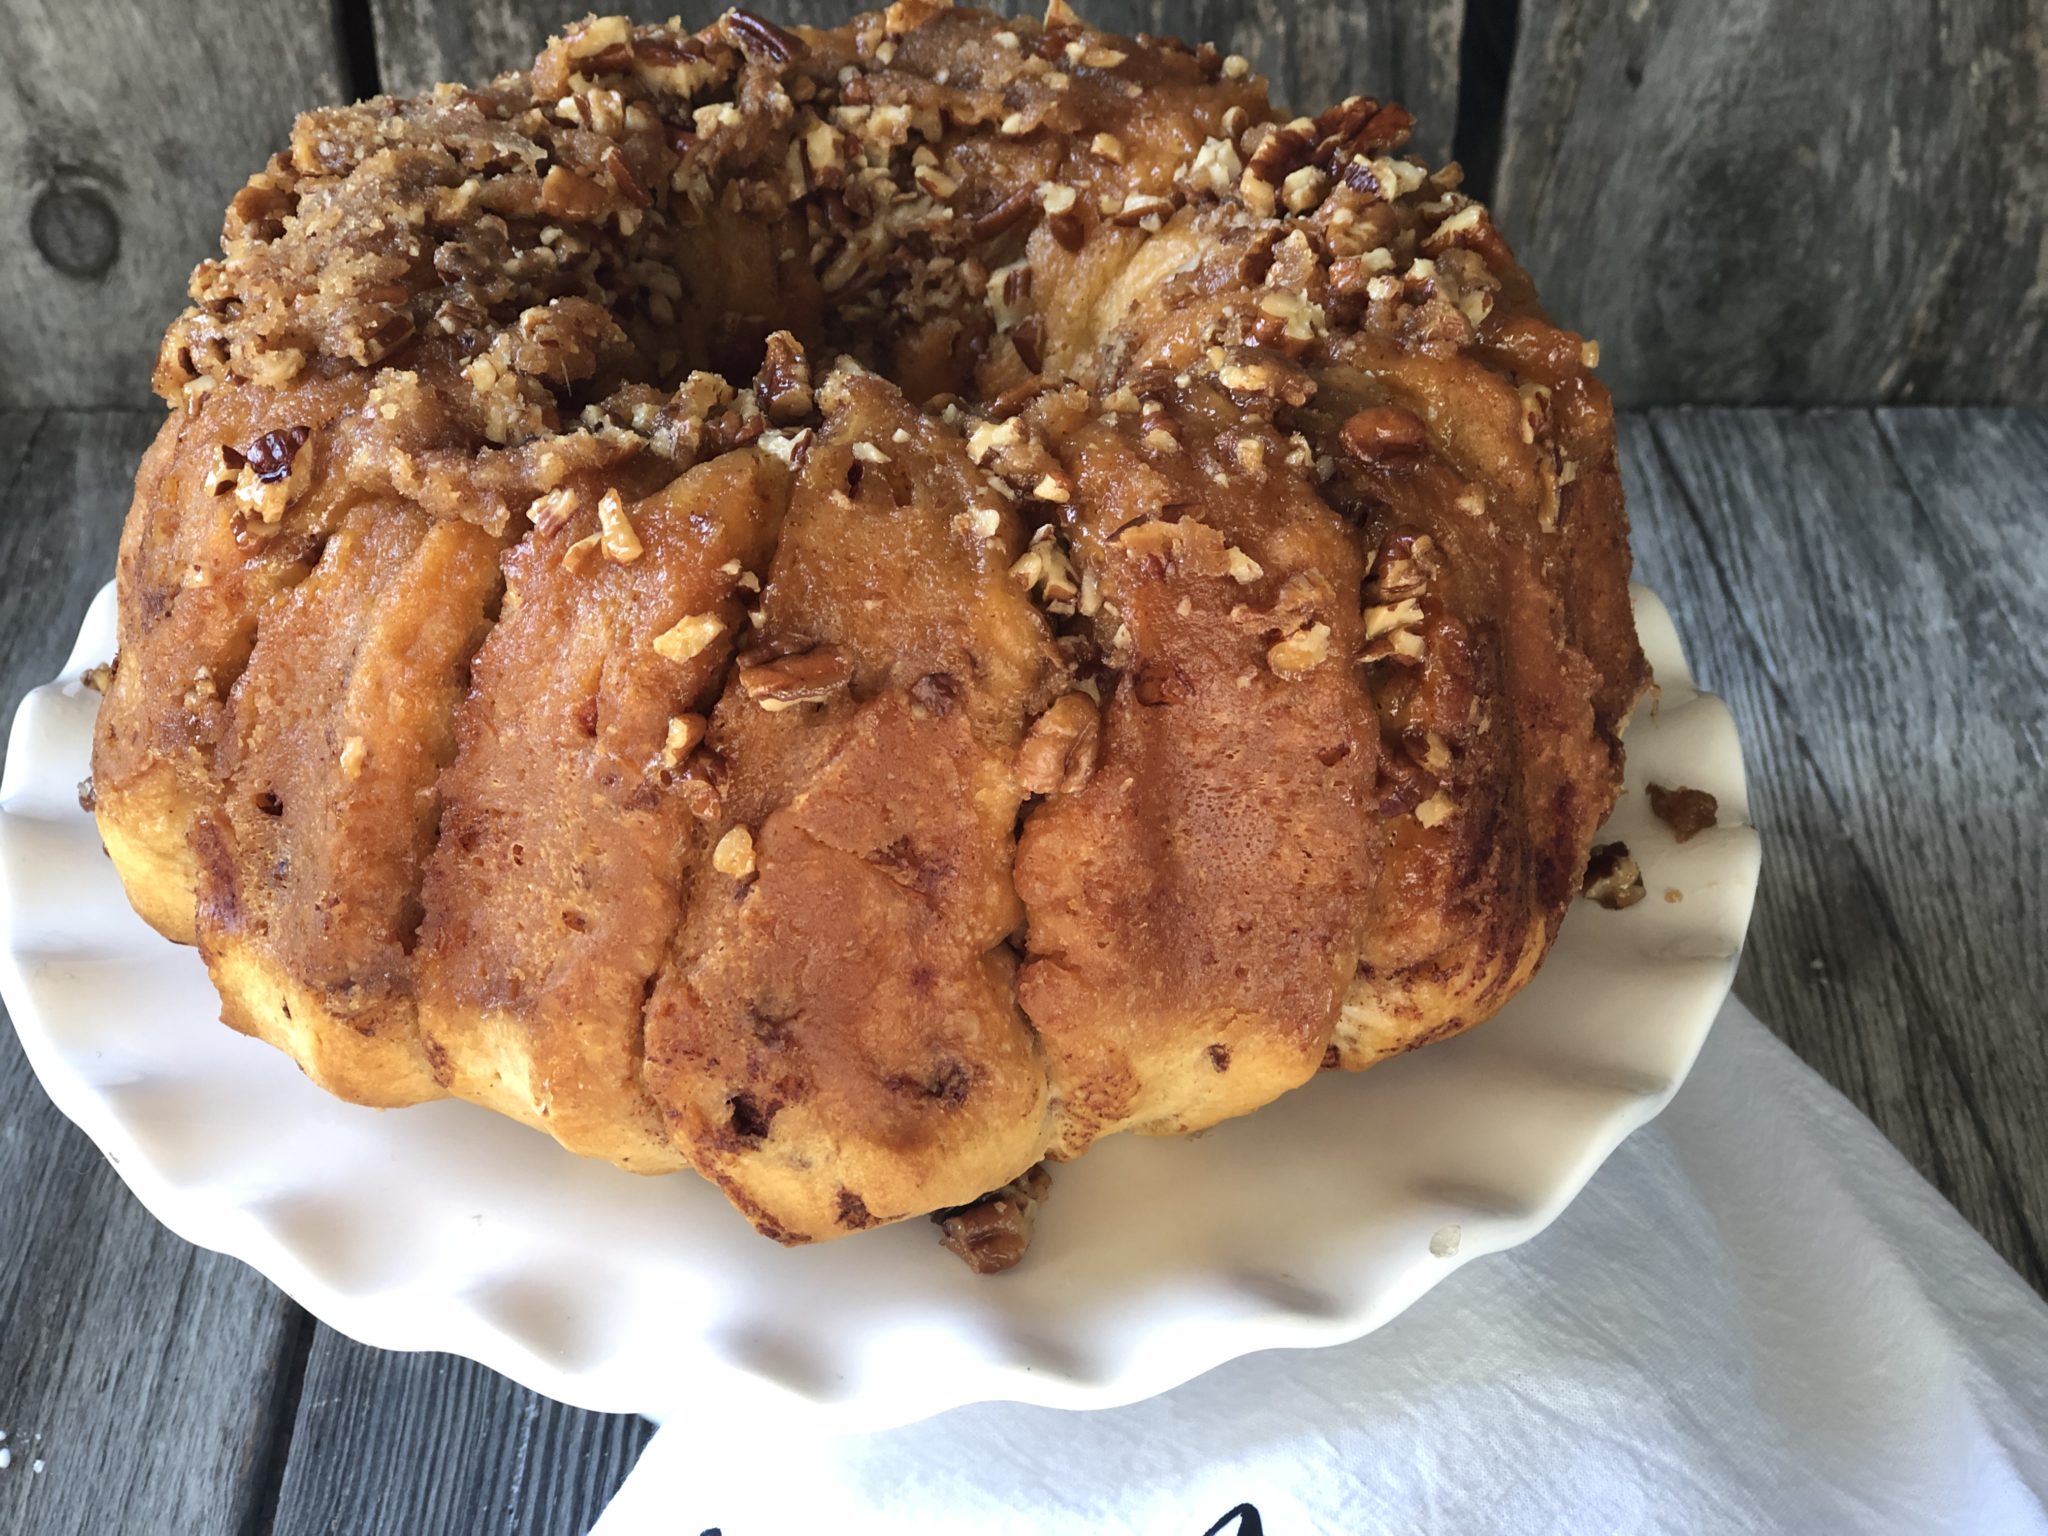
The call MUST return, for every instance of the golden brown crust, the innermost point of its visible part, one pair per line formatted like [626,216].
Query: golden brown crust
[835,1039]
[855,608]
[555,886]
[335,738]
[1196,908]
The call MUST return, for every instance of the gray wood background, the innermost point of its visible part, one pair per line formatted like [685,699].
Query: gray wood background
[1748,202]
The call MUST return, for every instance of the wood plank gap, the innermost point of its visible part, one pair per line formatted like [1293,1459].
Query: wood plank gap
[355,34]
[282,1412]
[21,462]
[1486,65]
[1921,996]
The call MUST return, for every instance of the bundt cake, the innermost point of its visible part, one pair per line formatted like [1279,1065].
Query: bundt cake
[856,609]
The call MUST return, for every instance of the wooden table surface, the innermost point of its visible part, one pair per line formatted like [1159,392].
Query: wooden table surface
[1867,589]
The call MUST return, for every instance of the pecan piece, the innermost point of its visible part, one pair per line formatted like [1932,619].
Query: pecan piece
[1407,563]
[1280,154]
[621,541]
[1687,812]
[271,455]
[753,35]
[1383,434]
[1613,878]
[688,636]
[803,677]
[1006,215]
[784,380]
[1297,655]
[992,1234]
[734,854]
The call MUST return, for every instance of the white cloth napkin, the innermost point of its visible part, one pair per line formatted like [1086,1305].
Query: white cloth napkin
[1756,1318]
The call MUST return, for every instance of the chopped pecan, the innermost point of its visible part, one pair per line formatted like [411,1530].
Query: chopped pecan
[271,454]
[1144,209]
[1280,154]
[1297,655]
[1383,435]
[1360,126]
[1613,878]
[1006,215]
[992,1234]
[1404,647]
[803,677]
[684,733]
[565,195]
[784,379]
[754,36]
[734,854]
[1214,170]
[1407,563]
[550,512]
[620,539]
[1068,227]
[688,636]
[1687,812]
[1045,565]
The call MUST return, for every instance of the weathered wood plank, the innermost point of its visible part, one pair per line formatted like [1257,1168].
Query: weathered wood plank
[1980,480]
[149,1377]
[1894,741]
[1315,53]
[1776,201]
[18,431]
[124,129]
[394,1442]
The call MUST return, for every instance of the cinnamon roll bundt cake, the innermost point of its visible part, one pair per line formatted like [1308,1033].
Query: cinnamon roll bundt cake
[855,609]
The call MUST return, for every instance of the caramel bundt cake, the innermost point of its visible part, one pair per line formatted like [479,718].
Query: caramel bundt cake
[855,609]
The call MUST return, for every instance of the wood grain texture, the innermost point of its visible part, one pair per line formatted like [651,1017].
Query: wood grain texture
[1315,53]
[402,1443]
[1893,715]
[1777,201]
[124,129]
[150,1378]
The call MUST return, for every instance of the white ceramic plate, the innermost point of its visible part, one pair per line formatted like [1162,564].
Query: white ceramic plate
[445,1227]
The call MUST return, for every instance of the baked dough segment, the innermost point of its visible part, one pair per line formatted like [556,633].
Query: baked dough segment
[335,736]
[565,837]
[1499,765]
[834,1038]
[198,562]
[1196,909]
